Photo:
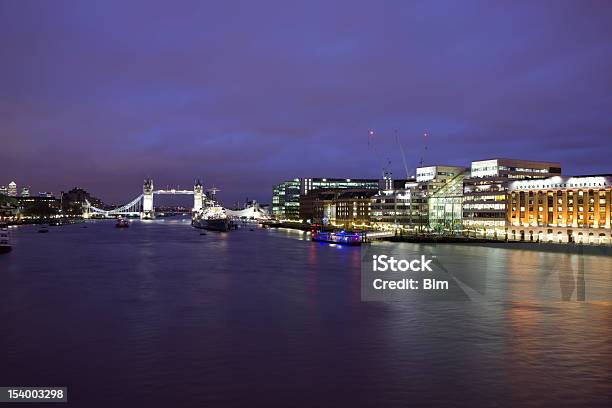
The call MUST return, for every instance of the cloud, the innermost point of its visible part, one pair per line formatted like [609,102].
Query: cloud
[244,94]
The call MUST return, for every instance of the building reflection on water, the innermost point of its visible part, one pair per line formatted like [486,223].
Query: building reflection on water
[534,275]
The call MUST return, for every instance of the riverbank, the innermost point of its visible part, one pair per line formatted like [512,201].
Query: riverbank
[290,225]
[527,246]
[436,239]
[54,222]
[493,243]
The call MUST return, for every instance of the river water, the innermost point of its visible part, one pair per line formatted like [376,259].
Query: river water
[159,315]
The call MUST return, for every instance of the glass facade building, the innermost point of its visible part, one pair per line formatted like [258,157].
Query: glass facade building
[446,207]
[286,195]
[408,208]
[286,200]
[307,184]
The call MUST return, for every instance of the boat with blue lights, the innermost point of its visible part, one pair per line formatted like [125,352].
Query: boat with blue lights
[338,237]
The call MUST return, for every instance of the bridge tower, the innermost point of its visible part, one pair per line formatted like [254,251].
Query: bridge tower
[148,212]
[198,193]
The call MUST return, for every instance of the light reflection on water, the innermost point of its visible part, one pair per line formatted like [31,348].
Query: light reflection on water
[158,315]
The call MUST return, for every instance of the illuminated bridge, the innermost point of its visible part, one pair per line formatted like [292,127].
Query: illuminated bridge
[143,204]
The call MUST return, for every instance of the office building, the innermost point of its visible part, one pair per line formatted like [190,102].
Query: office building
[399,207]
[3,190]
[8,211]
[307,184]
[561,209]
[485,192]
[445,207]
[38,207]
[286,200]
[407,208]
[340,208]
[25,192]
[286,195]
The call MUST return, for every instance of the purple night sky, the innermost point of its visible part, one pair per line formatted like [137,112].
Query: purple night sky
[245,94]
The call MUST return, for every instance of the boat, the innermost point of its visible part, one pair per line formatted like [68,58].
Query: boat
[43,230]
[122,223]
[5,239]
[212,218]
[337,237]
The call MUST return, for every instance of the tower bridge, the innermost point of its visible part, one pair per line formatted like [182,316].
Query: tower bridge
[143,204]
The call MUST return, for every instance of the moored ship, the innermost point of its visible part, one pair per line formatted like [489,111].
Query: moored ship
[337,237]
[5,239]
[122,223]
[212,218]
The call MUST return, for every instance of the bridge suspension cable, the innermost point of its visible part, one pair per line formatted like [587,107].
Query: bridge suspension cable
[132,208]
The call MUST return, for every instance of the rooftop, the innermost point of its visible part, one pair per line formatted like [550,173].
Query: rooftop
[519,160]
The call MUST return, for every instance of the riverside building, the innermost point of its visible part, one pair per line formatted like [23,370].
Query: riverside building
[445,207]
[286,195]
[307,184]
[286,200]
[408,208]
[38,207]
[485,192]
[561,209]
[341,208]
[399,208]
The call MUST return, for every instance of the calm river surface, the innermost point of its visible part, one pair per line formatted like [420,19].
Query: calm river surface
[159,315]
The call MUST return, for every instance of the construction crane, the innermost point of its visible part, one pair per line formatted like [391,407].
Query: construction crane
[385,166]
[397,139]
[425,140]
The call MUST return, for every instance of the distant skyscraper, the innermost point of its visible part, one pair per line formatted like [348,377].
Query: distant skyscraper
[25,192]
[3,190]
[12,189]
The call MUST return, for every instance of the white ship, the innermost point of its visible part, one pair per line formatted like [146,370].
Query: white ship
[5,239]
[212,218]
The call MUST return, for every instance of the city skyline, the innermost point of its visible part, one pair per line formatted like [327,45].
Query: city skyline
[243,96]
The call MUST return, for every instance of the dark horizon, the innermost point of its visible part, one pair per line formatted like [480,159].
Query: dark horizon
[245,95]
